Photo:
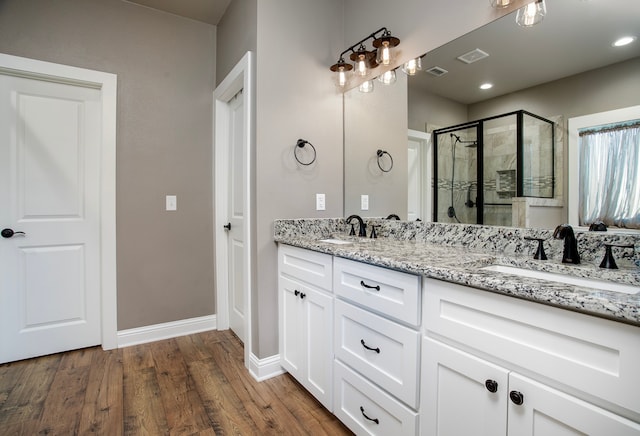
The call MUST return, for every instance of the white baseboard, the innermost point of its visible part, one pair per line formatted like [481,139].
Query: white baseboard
[167,330]
[263,369]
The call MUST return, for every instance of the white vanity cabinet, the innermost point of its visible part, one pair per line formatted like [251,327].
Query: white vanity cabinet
[377,348]
[495,365]
[306,319]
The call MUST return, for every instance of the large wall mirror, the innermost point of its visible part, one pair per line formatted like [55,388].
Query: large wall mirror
[562,68]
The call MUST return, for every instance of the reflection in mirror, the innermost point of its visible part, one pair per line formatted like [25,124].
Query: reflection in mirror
[605,181]
[537,69]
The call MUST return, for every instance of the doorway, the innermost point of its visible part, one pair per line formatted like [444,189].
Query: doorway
[57,254]
[233,145]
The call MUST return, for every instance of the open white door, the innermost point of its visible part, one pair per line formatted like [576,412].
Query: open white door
[51,138]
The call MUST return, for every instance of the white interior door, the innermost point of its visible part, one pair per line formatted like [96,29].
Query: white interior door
[50,137]
[419,176]
[236,216]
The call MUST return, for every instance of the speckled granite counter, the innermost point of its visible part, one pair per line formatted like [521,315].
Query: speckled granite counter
[431,251]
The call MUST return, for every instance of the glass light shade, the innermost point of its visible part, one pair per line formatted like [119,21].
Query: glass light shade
[340,69]
[384,54]
[411,67]
[361,64]
[531,14]
[499,4]
[388,77]
[366,86]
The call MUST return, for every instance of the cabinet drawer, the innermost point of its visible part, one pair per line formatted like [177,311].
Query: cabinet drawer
[306,265]
[392,293]
[384,351]
[356,397]
[578,352]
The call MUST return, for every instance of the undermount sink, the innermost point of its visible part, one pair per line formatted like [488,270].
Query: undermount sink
[347,240]
[564,278]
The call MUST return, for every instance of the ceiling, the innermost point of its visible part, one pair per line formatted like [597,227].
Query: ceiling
[207,11]
[575,36]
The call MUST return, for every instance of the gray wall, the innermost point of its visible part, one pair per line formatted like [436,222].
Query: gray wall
[165,67]
[296,98]
[236,35]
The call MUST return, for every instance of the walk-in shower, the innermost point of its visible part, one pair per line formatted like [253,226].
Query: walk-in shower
[481,165]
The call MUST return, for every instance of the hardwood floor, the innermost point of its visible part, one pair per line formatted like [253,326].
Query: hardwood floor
[191,385]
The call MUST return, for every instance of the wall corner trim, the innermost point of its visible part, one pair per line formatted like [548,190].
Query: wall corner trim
[263,369]
[167,330]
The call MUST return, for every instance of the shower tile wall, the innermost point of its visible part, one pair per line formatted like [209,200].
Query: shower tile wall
[499,170]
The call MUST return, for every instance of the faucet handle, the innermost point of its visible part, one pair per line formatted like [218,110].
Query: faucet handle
[540,254]
[374,235]
[608,261]
[353,231]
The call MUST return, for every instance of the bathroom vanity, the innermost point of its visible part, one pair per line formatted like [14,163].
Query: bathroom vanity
[404,336]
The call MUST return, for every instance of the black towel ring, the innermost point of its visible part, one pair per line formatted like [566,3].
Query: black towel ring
[381,153]
[300,144]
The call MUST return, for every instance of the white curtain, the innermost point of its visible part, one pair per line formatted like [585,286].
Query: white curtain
[610,175]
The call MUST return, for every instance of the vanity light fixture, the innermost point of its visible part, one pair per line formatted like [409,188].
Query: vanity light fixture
[385,44]
[365,59]
[412,66]
[341,68]
[499,4]
[531,14]
[625,40]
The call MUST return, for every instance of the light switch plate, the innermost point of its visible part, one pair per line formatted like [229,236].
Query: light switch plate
[171,202]
[364,202]
[320,202]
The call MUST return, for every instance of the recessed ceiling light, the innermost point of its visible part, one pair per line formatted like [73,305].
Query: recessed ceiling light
[625,40]
[486,86]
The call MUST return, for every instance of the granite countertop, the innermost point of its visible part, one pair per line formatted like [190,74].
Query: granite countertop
[464,266]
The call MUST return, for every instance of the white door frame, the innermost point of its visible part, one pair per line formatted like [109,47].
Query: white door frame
[240,78]
[107,84]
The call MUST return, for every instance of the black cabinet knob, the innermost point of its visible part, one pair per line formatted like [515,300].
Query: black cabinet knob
[491,385]
[516,397]
[302,295]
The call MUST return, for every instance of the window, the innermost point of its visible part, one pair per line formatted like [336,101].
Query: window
[609,173]
[604,168]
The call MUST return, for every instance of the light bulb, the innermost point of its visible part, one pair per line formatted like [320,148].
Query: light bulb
[366,86]
[361,65]
[388,77]
[531,14]
[412,66]
[384,53]
[342,77]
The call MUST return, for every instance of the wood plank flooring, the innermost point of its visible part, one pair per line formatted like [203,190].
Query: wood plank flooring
[191,385]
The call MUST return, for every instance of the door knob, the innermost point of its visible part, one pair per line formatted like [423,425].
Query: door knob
[227,226]
[8,233]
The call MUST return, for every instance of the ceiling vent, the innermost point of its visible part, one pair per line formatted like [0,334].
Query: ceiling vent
[437,71]
[473,56]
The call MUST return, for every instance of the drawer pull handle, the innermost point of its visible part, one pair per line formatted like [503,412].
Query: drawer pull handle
[516,397]
[364,285]
[365,415]
[491,385]
[377,350]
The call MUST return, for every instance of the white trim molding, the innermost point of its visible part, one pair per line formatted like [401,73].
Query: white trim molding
[167,330]
[263,369]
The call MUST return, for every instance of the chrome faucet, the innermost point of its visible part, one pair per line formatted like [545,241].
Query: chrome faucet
[570,253]
[363,227]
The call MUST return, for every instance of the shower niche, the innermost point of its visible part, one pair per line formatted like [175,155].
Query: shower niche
[480,166]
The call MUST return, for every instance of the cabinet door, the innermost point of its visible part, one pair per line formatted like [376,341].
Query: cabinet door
[457,397]
[318,309]
[547,412]
[291,327]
